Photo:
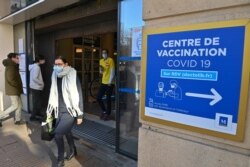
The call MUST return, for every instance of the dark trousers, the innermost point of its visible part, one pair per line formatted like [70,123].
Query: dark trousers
[105,89]
[36,102]
[64,124]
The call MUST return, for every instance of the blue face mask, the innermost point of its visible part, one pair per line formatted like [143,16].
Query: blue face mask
[58,69]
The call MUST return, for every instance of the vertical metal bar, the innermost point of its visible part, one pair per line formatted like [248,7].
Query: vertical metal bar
[117,101]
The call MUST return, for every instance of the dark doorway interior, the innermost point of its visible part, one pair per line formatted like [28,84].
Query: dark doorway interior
[83,53]
[80,41]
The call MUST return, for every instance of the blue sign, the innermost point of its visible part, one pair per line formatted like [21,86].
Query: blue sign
[194,77]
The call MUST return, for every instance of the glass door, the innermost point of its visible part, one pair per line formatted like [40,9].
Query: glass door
[128,76]
[86,61]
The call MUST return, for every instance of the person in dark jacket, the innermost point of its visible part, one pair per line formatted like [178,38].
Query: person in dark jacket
[13,88]
[66,103]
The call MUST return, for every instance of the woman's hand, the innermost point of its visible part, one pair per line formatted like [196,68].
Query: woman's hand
[79,121]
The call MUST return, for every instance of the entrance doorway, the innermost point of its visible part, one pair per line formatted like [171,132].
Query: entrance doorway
[79,33]
[83,53]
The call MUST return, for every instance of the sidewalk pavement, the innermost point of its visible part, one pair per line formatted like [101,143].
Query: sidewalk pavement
[21,146]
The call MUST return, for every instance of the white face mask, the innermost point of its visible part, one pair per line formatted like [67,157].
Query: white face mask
[104,55]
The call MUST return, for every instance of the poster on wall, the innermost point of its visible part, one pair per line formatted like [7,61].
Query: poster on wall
[136,41]
[20,45]
[22,62]
[195,77]
[23,78]
[22,71]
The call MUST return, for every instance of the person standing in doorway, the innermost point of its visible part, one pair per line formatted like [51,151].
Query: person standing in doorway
[36,86]
[13,88]
[107,69]
[66,103]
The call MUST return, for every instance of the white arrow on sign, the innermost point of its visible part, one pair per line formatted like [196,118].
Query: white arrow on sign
[215,96]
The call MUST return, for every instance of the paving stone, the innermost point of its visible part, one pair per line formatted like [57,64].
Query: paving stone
[6,140]
[21,146]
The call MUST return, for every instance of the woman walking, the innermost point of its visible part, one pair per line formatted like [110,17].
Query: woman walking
[65,100]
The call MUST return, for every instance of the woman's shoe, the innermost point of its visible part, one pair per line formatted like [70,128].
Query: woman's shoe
[106,117]
[102,115]
[71,154]
[60,163]
[75,152]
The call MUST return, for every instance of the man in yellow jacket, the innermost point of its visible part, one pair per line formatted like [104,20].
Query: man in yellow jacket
[107,69]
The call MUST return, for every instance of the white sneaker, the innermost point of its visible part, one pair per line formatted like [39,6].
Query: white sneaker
[4,116]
